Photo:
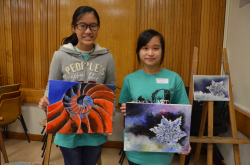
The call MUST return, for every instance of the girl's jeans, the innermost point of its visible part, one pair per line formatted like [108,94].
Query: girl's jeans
[82,155]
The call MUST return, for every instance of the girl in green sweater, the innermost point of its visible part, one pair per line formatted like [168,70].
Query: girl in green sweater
[143,86]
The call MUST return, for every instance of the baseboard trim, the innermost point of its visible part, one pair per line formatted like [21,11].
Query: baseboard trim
[113,144]
[15,135]
[34,137]
[242,121]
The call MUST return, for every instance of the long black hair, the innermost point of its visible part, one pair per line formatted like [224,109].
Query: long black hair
[144,38]
[80,11]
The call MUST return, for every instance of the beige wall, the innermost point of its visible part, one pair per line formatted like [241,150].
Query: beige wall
[237,42]
[228,152]
[238,48]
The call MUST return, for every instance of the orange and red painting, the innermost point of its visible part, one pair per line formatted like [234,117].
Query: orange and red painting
[77,108]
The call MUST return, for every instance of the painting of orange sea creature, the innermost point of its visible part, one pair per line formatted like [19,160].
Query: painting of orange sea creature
[77,108]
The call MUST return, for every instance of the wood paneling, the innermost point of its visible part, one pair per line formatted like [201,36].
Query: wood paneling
[117,30]
[23,43]
[25,48]
[3,69]
[32,30]
[243,121]
[8,42]
[15,41]
[44,41]
[52,27]
[185,24]
[31,95]
[30,44]
[37,46]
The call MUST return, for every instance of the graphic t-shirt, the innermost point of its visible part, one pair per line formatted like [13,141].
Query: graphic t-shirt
[165,87]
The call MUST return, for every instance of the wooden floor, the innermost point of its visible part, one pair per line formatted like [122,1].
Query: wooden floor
[21,150]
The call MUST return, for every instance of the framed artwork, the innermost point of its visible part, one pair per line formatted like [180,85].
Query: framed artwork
[211,88]
[157,127]
[77,108]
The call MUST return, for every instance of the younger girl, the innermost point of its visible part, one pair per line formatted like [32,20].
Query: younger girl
[80,59]
[151,84]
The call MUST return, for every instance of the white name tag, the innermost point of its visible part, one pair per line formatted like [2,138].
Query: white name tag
[161,80]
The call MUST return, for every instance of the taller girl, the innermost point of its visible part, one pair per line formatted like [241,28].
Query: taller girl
[82,60]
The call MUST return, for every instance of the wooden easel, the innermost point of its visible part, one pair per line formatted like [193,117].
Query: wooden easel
[191,87]
[48,149]
[210,139]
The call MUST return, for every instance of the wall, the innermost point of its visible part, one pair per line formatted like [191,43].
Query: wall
[227,149]
[238,50]
[33,116]
[237,40]
[30,31]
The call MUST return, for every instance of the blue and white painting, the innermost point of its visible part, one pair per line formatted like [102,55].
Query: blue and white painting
[157,127]
[211,88]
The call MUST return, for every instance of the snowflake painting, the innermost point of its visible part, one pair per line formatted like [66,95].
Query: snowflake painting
[168,131]
[211,88]
[77,108]
[157,127]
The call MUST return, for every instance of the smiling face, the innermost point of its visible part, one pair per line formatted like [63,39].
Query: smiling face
[151,53]
[86,37]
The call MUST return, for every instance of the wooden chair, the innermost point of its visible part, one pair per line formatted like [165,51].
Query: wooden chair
[10,95]
[9,88]
[9,112]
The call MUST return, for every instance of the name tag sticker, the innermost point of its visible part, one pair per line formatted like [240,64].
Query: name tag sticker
[161,80]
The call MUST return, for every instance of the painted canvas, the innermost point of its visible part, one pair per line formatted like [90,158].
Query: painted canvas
[211,88]
[77,108]
[157,127]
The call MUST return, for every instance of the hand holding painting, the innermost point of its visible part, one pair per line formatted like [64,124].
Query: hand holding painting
[189,149]
[123,108]
[44,102]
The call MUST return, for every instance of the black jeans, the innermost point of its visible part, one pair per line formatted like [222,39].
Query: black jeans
[131,163]
[82,155]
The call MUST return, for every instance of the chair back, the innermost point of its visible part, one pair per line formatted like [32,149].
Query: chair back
[9,88]
[9,95]
[9,110]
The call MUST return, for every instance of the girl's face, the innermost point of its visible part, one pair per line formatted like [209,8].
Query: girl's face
[86,37]
[151,53]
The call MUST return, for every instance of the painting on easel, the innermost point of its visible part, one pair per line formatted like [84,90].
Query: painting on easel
[211,88]
[157,127]
[77,108]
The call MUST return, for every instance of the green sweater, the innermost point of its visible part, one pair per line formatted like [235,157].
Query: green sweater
[164,87]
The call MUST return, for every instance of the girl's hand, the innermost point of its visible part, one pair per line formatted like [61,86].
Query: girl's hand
[44,102]
[107,134]
[189,149]
[123,109]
